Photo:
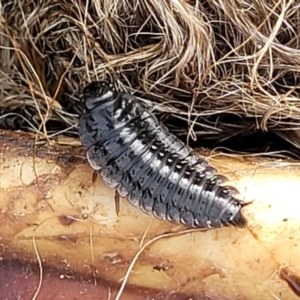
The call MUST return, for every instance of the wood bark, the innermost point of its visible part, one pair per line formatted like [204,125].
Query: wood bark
[52,213]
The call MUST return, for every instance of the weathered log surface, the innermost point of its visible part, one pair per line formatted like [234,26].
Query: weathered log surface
[50,206]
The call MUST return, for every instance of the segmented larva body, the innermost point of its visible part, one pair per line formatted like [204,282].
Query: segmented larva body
[136,154]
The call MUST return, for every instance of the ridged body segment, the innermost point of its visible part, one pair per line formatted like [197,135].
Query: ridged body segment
[156,171]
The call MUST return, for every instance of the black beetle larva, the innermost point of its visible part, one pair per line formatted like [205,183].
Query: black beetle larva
[156,171]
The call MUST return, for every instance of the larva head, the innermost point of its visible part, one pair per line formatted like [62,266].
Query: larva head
[97,93]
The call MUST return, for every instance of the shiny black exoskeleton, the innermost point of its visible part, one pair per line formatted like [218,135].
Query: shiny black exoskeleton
[136,154]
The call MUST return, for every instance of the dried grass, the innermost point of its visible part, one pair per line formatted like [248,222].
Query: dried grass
[223,68]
